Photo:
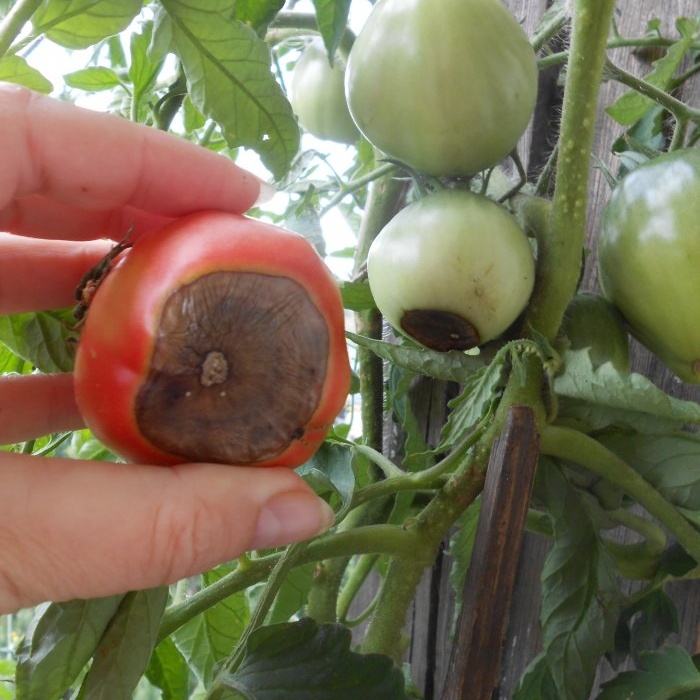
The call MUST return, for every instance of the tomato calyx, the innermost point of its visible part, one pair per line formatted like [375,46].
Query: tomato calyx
[440,330]
[90,282]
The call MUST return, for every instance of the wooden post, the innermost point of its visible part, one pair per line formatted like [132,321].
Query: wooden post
[474,668]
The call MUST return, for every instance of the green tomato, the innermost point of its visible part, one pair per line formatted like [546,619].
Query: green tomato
[446,87]
[591,321]
[649,257]
[318,96]
[452,270]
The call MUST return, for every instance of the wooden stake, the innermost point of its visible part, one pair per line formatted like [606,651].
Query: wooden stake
[474,667]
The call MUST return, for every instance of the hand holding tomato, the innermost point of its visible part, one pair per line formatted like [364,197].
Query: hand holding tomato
[84,529]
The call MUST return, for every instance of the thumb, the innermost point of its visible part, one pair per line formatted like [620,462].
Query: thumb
[74,529]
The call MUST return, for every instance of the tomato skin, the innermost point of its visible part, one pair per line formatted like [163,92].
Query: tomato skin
[649,254]
[452,252]
[445,87]
[119,336]
[318,96]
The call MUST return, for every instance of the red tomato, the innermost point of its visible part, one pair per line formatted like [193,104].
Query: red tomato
[218,338]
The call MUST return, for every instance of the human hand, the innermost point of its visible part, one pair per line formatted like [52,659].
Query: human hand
[75,529]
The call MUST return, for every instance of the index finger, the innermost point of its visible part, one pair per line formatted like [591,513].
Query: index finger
[61,154]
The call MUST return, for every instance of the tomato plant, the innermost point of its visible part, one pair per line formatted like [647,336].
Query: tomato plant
[318,95]
[432,457]
[649,250]
[452,270]
[218,338]
[447,88]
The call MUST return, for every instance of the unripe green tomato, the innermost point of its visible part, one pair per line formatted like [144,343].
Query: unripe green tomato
[452,270]
[591,321]
[649,257]
[446,87]
[318,96]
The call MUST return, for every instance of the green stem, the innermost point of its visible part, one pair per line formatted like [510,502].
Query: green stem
[10,27]
[574,446]
[307,21]
[559,260]
[371,539]
[680,110]
[356,580]
[387,169]
[385,199]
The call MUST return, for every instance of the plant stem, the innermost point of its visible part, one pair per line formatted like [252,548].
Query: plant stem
[559,260]
[572,445]
[10,27]
[370,539]
[385,198]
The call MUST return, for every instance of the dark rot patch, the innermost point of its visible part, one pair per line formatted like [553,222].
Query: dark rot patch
[239,363]
[440,330]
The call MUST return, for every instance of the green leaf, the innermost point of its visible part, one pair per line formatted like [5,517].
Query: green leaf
[670,463]
[603,397]
[126,647]
[229,80]
[461,547]
[43,338]
[332,19]
[258,13]
[307,661]
[357,296]
[536,683]
[452,366]
[478,397]
[664,675]
[60,640]
[147,58]
[580,599]
[93,79]
[77,24]
[209,638]
[168,671]
[293,594]
[330,470]
[14,69]
[632,106]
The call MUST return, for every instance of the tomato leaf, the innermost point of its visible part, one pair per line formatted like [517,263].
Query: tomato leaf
[60,640]
[461,546]
[670,463]
[229,80]
[330,469]
[209,638]
[453,365]
[632,106]
[168,671]
[668,674]
[42,338]
[357,296]
[332,19]
[93,79]
[77,24]
[308,661]
[258,13]
[536,683]
[126,647]
[580,599]
[292,596]
[603,397]
[14,69]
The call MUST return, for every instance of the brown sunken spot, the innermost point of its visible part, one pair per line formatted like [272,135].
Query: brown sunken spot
[238,366]
[440,330]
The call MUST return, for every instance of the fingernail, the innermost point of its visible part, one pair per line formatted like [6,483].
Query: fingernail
[291,516]
[266,193]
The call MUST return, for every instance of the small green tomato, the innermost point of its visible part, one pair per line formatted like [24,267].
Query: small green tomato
[452,270]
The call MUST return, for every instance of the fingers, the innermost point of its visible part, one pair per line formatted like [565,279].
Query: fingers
[99,162]
[32,405]
[37,275]
[85,529]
